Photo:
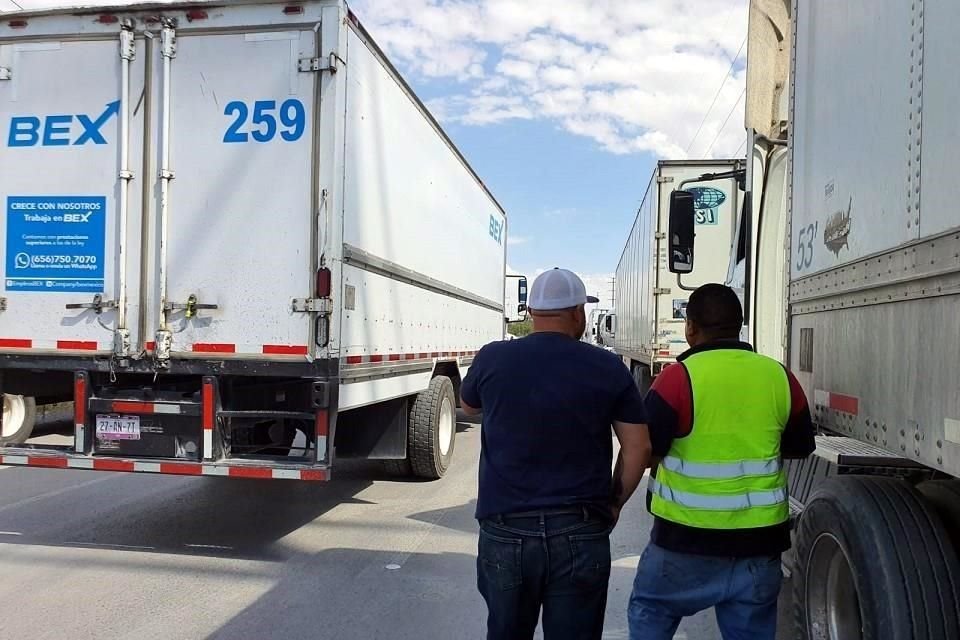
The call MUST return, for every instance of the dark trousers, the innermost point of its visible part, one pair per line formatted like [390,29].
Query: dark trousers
[556,560]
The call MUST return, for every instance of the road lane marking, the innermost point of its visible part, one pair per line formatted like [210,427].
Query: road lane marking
[54,493]
[106,545]
[10,533]
[218,547]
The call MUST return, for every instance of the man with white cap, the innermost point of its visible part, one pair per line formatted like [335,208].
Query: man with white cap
[547,497]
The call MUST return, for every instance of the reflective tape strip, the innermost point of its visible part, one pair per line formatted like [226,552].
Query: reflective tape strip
[719,503]
[721,470]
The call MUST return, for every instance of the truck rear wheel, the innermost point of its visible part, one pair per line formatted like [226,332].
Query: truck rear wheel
[944,497]
[432,429]
[19,416]
[874,563]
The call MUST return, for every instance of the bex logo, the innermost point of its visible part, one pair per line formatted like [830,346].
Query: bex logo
[59,131]
[496,229]
[77,217]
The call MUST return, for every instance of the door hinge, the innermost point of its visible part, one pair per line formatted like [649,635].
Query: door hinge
[168,40]
[98,305]
[659,235]
[661,291]
[5,73]
[663,179]
[128,50]
[3,304]
[322,306]
[310,65]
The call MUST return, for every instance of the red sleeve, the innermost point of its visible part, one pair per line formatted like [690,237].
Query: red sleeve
[672,389]
[798,438]
[798,399]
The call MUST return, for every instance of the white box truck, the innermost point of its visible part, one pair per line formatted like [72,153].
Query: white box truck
[651,302]
[849,270]
[234,237]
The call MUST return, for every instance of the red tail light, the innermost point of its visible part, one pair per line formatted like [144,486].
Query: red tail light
[292,10]
[17,24]
[323,282]
[196,14]
[108,19]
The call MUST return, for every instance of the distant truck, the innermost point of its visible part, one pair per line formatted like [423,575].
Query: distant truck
[235,238]
[652,303]
[592,333]
[606,329]
[848,265]
[514,298]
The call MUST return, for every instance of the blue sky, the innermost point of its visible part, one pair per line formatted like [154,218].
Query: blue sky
[564,106]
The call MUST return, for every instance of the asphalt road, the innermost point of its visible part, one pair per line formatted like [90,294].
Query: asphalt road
[87,554]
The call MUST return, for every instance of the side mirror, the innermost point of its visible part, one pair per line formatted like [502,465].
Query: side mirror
[522,293]
[681,232]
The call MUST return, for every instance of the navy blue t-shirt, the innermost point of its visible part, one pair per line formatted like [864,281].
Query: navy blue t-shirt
[548,403]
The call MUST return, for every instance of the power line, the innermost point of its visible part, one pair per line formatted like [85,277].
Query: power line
[717,94]
[726,120]
[742,147]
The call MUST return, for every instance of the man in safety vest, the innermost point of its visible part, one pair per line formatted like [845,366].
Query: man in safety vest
[721,422]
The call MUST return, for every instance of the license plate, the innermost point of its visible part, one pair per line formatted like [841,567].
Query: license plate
[118,427]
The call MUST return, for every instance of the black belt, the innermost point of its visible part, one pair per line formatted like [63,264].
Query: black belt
[582,510]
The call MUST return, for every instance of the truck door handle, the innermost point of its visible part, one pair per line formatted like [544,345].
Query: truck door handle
[98,305]
[191,306]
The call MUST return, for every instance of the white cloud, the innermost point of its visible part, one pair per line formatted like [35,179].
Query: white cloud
[633,76]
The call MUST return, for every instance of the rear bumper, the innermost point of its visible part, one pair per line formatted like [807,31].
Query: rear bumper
[50,459]
[289,366]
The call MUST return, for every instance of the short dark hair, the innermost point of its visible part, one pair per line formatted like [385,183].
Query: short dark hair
[715,310]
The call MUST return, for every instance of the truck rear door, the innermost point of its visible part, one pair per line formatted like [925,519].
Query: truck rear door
[241,207]
[63,174]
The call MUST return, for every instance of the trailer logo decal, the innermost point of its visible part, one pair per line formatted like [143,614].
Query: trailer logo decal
[496,229]
[59,130]
[707,201]
[55,243]
[837,231]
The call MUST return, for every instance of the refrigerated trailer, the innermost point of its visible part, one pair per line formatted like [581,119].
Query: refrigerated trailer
[651,302]
[234,238]
[850,273]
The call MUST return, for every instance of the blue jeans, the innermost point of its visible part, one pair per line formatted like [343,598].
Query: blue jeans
[670,586]
[559,562]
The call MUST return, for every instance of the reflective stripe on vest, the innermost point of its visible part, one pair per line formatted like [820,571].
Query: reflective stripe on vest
[722,469]
[719,503]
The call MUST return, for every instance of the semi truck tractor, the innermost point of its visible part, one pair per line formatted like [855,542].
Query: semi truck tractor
[651,302]
[847,259]
[233,237]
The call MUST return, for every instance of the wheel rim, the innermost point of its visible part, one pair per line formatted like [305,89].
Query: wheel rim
[833,604]
[446,426]
[14,413]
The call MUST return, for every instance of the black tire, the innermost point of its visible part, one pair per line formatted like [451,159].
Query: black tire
[27,411]
[874,563]
[424,451]
[643,378]
[944,497]
[398,468]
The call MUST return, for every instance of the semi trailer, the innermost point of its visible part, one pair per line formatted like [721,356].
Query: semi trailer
[234,238]
[651,302]
[847,260]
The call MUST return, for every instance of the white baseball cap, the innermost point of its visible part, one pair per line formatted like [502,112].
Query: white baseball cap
[558,289]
